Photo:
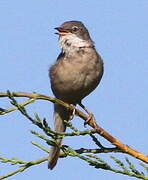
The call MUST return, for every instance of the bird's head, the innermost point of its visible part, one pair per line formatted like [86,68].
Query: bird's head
[73,34]
[76,28]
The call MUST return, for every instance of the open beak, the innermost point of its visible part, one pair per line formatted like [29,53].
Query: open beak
[61,31]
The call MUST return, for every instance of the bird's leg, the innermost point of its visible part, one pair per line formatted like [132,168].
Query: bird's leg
[73,112]
[90,115]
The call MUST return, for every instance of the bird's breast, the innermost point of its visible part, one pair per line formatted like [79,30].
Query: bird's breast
[75,77]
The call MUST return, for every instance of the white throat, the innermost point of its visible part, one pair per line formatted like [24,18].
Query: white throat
[71,43]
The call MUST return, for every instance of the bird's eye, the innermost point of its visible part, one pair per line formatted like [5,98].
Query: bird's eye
[75,28]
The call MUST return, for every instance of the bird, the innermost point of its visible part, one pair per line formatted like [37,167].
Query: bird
[74,75]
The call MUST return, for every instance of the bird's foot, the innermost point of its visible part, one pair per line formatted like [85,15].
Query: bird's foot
[90,114]
[90,117]
[73,112]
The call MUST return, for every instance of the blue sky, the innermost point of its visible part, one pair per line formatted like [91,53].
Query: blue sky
[29,46]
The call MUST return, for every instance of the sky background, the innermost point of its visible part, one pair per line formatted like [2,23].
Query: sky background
[28,46]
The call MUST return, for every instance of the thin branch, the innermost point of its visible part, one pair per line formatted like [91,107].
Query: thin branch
[100,163]
[24,103]
[24,167]
[80,151]
[124,148]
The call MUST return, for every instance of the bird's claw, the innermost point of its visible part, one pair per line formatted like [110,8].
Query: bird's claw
[73,112]
[90,117]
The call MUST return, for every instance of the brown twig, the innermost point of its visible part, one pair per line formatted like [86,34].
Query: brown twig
[124,148]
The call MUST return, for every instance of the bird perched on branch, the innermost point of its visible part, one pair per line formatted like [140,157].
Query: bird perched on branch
[75,74]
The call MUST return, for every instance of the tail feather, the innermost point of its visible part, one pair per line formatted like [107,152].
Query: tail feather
[60,114]
[53,157]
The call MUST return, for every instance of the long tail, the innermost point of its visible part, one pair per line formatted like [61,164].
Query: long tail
[60,114]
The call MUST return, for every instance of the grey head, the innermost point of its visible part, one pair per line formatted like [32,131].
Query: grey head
[74,27]
[75,34]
